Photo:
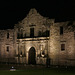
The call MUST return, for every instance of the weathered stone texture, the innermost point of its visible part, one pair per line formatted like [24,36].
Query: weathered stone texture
[4,54]
[46,41]
[54,44]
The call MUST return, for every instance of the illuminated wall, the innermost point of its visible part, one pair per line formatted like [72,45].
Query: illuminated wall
[54,44]
[7,51]
[58,45]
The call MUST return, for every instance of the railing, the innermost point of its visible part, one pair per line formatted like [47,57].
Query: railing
[31,37]
[40,34]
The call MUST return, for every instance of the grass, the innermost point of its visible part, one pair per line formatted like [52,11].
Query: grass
[44,71]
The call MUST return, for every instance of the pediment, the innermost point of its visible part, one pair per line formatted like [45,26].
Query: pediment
[33,17]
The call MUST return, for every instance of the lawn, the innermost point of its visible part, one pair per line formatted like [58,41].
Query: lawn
[44,71]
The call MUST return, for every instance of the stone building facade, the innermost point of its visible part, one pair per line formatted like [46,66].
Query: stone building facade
[39,40]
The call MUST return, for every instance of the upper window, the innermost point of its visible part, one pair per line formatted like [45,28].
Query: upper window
[62,47]
[39,33]
[61,30]
[18,35]
[46,33]
[21,33]
[7,35]
[31,32]
[7,48]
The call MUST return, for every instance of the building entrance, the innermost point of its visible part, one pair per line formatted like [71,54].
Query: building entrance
[32,56]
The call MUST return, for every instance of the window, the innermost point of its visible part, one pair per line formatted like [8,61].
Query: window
[39,33]
[7,48]
[31,32]
[7,35]
[62,47]
[21,35]
[61,30]
[46,33]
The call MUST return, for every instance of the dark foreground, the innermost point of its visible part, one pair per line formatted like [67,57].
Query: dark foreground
[35,70]
[46,71]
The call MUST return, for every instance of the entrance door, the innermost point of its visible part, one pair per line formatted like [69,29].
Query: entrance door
[32,56]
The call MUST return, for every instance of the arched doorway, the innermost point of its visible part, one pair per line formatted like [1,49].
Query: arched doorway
[32,56]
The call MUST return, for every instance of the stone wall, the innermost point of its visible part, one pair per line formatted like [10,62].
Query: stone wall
[33,20]
[19,47]
[7,40]
[40,45]
[68,55]
[54,44]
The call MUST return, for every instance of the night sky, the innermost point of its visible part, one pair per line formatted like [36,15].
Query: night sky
[13,11]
